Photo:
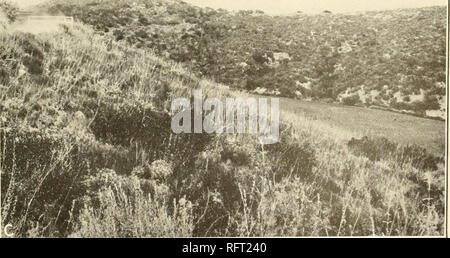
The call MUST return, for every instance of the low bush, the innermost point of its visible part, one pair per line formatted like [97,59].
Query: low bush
[377,148]
[120,207]
[351,100]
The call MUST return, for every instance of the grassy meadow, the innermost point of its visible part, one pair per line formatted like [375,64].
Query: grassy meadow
[360,121]
[86,150]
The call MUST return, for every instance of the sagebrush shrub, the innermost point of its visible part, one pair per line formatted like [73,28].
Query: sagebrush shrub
[293,158]
[373,148]
[121,208]
[40,177]
[377,148]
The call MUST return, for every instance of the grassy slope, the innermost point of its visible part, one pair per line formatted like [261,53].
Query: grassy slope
[359,121]
[88,150]
[238,42]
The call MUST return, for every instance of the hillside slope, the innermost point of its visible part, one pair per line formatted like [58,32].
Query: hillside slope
[392,59]
[358,121]
[86,149]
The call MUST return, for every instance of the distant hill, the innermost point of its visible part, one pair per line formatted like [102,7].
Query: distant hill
[393,59]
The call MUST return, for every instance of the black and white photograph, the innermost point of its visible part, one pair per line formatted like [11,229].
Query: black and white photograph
[223,119]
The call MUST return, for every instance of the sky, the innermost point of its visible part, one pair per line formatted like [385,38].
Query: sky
[23,3]
[314,6]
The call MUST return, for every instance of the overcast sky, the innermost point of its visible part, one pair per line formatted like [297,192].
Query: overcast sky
[315,6]
[23,3]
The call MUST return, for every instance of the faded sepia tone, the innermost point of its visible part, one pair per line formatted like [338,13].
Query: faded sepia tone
[284,7]
[102,135]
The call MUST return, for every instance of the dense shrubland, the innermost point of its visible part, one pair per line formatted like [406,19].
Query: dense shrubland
[88,151]
[393,59]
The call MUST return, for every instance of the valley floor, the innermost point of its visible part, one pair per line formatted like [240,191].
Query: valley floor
[349,121]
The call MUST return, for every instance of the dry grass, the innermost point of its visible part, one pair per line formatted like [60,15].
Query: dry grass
[358,121]
[86,149]
[125,210]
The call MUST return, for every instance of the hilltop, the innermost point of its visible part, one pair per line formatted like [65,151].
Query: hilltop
[391,59]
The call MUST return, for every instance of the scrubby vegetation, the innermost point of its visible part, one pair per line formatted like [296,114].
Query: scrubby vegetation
[8,12]
[373,59]
[86,150]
